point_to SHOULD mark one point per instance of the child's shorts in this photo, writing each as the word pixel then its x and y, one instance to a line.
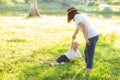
pixel 62 58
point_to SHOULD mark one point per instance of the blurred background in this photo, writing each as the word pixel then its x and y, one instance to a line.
pixel 13 7
pixel 108 10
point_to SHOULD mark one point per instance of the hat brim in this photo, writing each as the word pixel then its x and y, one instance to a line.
pixel 71 10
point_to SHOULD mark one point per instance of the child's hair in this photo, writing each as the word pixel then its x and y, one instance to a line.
pixel 75 42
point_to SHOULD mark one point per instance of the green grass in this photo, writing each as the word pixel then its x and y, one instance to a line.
pixel 25 42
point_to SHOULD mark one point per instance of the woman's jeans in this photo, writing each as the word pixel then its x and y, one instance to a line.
pixel 89 51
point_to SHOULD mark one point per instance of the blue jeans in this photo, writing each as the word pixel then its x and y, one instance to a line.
pixel 89 51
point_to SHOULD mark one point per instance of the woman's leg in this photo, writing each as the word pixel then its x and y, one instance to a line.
pixel 85 52
pixel 90 57
pixel 90 50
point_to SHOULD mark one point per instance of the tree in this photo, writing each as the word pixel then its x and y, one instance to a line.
pixel 33 9
pixel 26 1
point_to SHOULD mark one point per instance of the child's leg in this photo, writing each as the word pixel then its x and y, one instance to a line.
pixel 60 59
pixel 45 62
pixel 56 63
pixel 62 63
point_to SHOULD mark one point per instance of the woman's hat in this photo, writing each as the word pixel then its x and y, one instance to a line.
pixel 70 8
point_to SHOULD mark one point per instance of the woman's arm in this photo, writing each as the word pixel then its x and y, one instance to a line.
pixel 82 25
pixel 75 33
pixel 74 36
pixel 72 43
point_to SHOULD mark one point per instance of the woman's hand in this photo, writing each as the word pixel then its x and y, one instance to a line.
pixel 88 41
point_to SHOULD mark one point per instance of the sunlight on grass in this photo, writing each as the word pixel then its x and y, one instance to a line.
pixel 25 42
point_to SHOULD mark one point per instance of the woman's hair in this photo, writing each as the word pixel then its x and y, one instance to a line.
pixel 71 15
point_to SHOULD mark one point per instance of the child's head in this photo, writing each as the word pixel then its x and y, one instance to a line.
pixel 75 45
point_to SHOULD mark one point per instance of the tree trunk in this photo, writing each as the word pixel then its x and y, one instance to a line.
pixel 33 9
pixel 26 1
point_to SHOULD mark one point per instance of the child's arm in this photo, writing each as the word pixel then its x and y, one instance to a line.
pixel 82 59
pixel 80 56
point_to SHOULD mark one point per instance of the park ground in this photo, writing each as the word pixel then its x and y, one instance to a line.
pixel 26 42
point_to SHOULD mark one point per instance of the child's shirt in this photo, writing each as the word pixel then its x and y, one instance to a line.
pixel 71 54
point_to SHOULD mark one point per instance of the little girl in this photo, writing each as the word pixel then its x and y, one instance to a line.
pixel 69 56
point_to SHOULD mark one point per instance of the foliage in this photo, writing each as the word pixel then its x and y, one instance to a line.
pixel 6 2
pixel 94 4
pixel 113 3
pixel 100 9
pixel 11 2
pixel 56 8
pixel 19 1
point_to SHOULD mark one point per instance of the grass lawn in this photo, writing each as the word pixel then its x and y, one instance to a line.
pixel 25 42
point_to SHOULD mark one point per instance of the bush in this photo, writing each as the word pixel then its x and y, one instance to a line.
pixel 113 3
pixel 109 2
pixel 116 3
pixel 105 10
pixel 6 2
pixel 94 4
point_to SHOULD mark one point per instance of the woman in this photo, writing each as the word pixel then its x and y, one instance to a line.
pixel 90 34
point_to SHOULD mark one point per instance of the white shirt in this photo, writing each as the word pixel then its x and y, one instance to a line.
pixel 90 30
pixel 71 54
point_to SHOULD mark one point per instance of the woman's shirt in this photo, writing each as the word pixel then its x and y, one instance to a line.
pixel 89 28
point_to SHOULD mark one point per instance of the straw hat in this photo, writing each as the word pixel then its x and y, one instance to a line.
pixel 70 8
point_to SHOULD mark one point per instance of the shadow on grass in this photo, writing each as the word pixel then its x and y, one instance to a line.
pixel 17 40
